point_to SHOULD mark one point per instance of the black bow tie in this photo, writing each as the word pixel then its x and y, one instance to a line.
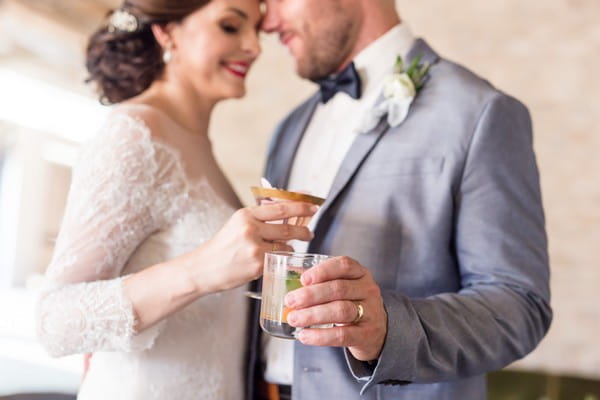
pixel 347 81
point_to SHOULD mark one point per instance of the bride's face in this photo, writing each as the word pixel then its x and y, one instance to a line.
pixel 214 47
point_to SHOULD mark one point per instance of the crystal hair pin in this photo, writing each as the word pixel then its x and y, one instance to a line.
pixel 121 20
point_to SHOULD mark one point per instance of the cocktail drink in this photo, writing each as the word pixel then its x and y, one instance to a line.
pixel 282 272
pixel 268 194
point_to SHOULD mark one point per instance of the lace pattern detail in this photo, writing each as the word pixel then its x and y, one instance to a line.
pixel 131 206
pixel 109 210
pixel 125 187
pixel 93 316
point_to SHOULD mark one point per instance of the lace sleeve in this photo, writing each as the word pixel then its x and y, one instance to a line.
pixel 109 213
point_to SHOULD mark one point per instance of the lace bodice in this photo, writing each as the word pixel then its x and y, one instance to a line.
pixel 131 206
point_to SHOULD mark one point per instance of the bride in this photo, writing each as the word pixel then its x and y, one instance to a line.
pixel 151 259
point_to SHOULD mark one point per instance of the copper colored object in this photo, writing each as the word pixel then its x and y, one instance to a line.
pixel 273 195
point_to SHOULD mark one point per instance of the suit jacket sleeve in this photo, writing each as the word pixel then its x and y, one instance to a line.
pixel 502 310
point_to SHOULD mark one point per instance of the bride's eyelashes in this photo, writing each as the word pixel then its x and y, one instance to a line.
pixel 231 26
pixel 230 29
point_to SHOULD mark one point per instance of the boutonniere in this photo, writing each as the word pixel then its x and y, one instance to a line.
pixel 399 90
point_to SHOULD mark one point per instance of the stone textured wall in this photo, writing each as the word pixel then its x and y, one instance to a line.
pixel 544 52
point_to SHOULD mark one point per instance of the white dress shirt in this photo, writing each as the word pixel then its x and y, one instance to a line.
pixel 327 139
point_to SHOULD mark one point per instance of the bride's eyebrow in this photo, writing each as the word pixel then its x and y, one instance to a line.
pixel 238 12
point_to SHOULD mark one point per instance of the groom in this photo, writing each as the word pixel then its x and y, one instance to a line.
pixel 433 198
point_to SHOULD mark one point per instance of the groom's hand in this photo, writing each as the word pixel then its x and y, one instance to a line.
pixel 332 293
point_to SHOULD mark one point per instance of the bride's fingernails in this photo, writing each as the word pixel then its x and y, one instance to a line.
pixel 314 209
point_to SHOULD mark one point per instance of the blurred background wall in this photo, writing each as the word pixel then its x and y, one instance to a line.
pixel 546 53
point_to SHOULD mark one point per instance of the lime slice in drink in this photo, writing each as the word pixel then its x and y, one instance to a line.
pixel 292 281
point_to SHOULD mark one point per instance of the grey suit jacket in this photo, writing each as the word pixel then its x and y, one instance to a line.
pixel 445 210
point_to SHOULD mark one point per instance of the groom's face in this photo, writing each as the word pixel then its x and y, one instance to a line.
pixel 320 34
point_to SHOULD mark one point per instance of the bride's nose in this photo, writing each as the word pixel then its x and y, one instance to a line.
pixel 251 45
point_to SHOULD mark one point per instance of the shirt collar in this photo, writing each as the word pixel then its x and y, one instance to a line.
pixel 379 57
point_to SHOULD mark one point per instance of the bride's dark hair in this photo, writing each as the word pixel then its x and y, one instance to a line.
pixel 124 62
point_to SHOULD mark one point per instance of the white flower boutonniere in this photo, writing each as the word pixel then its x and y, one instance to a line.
pixel 399 91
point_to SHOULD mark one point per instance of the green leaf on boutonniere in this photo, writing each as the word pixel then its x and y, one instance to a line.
pixel 416 71
pixel 420 74
pixel 399 67
pixel 412 68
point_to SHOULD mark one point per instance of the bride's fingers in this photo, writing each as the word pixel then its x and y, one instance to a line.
pixel 270 247
pixel 276 246
pixel 282 210
pixel 283 232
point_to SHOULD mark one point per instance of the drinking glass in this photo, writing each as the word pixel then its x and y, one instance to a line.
pixel 282 271
pixel 266 195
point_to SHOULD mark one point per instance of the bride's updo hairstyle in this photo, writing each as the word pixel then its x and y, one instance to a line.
pixel 123 57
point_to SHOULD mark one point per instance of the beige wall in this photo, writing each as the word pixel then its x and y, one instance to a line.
pixel 546 53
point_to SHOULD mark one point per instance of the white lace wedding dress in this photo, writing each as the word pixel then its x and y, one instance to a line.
pixel 130 206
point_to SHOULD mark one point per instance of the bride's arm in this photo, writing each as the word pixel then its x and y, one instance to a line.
pixel 109 212
pixel 86 306
pixel 234 256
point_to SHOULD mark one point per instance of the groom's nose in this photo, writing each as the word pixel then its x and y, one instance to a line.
pixel 271 20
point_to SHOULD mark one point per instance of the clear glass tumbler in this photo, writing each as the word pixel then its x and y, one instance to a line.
pixel 281 275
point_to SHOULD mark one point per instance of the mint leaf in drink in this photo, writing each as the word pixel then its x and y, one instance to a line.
pixel 292 281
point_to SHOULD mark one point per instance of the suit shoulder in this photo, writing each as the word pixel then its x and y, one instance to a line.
pixel 467 90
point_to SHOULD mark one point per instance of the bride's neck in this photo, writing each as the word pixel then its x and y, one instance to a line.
pixel 181 103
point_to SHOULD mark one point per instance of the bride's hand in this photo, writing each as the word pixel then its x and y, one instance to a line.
pixel 235 255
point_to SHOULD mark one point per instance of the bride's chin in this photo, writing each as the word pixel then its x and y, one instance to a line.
pixel 237 94
pixel 230 95
pixel 231 90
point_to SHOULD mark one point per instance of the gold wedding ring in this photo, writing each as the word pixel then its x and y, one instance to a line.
pixel 274 247
pixel 360 312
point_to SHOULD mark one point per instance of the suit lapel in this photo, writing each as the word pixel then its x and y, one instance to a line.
pixel 422 49
pixel 360 149
pixel 281 161
pixel 365 142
